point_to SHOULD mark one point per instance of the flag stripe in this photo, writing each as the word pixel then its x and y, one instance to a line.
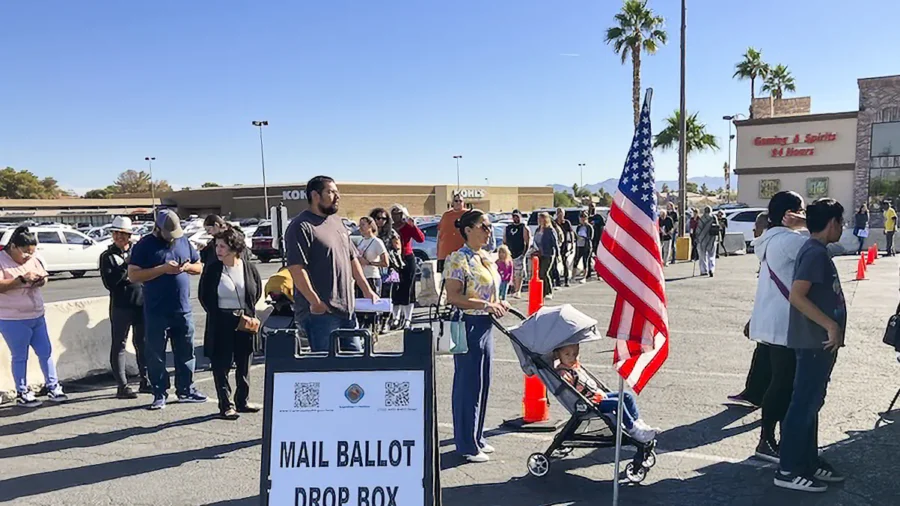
pixel 634 266
pixel 643 236
pixel 651 260
pixel 633 290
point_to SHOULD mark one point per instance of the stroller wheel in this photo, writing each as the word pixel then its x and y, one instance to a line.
pixel 635 476
pixel 538 464
pixel 650 459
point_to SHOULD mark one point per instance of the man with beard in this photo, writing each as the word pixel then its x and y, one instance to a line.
pixel 517 238
pixel 323 264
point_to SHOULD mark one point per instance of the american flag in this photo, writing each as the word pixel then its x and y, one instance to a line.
pixel 629 260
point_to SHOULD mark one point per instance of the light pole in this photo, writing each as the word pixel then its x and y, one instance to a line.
pixel 682 127
pixel 581 171
pixel 728 170
pixel 457 157
pixel 262 159
pixel 149 160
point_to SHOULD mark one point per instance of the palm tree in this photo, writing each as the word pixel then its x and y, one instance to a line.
pixel 751 67
pixel 697 139
pixel 638 30
pixel 778 81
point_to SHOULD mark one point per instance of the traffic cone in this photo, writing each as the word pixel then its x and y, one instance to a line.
pixel 870 258
pixel 861 268
pixel 535 407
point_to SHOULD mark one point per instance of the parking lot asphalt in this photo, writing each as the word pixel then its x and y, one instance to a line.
pixel 99 450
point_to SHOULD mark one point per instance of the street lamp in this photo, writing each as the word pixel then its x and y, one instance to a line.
pixel 729 119
pixel 149 160
pixel 457 157
pixel 262 158
pixel 581 170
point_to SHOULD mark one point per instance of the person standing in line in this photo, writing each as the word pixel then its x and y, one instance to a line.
pixel 404 296
pixel 599 223
pixel 672 213
pixel 861 226
pixel 213 224
pixel 816 328
pixel 517 238
pixel 777 250
pixel 692 230
pixel 666 228
pixel 472 286
pixel 505 268
pixel 163 261
pixel 723 227
pixel 126 308
pixel 322 261
pixel 564 229
pixel 448 238
pixel 707 238
pixel 890 227
pixel 229 290
pixel 547 243
pixel 390 274
pixel 22 323
pixel 373 256
pixel 584 238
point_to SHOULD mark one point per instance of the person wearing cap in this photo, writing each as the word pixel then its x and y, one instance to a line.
pixel 449 238
pixel 126 308
pixel 163 261
pixel 517 238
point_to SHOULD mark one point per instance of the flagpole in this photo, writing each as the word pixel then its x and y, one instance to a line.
pixel 615 500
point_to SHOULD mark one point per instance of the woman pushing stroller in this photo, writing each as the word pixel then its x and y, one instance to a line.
pixel 571 371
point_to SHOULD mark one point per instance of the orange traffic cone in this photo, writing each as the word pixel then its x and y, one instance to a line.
pixel 870 258
pixel 861 268
pixel 535 407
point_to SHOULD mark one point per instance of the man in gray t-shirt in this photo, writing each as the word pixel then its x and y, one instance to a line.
pixel 322 261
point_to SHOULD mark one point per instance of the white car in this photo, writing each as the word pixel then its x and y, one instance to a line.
pixel 64 249
pixel 743 220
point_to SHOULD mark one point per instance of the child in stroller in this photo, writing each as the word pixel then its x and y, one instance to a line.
pixel 572 372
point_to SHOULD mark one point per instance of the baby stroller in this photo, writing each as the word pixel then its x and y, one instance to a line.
pixel 534 341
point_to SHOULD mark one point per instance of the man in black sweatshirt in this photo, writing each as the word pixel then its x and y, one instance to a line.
pixel 126 308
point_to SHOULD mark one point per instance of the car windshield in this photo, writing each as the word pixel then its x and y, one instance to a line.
pixel 263 231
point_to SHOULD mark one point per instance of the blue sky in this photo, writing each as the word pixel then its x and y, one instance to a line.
pixel 389 91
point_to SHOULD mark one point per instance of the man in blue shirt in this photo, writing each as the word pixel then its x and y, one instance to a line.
pixel 162 261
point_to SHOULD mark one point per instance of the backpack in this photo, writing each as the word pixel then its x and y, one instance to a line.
pixel 714 228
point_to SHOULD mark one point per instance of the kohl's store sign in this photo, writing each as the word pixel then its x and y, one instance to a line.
pixel 293 195
pixel 470 193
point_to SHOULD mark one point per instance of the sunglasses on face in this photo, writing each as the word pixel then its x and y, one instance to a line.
pixel 381 218
pixel 485 226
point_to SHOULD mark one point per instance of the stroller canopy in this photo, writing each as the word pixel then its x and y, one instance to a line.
pixel 550 328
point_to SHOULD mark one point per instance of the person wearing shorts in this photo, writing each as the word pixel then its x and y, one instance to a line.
pixel 517 238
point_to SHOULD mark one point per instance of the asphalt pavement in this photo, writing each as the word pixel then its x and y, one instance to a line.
pixel 99 450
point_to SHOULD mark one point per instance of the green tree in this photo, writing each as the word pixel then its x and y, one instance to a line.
pixel 604 198
pixel 133 181
pixel 704 189
pixel 778 81
pixel 563 199
pixel 580 192
pixel 99 193
pixel 665 188
pixel 697 139
pixel 638 30
pixel 751 67
pixel 210 185
pixel 691 187
pixel 23 184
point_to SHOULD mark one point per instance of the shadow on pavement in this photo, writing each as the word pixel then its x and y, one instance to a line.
pixel 95 439
pixel 27 426
pixel 247 501
pixel 39 483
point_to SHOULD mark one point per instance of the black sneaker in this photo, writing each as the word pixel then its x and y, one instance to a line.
pixel 126 393
pixel 800 483
pixel 194 396
pixel 768 451
pixel 145 388
pixel 740 400
pixel 827 473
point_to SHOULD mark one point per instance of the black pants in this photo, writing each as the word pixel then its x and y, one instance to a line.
pixel 583 255
pixel 781 387
pixel 231 346
pixel 890 242
pixel 544 273
pixel 122 320
pixel 560 277
pixel 759 376
pixel 405 291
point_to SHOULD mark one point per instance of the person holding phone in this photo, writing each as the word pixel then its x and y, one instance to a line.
pixel 22 322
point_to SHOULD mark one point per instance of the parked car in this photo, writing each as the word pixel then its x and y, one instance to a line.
pixel 743 220
pixel 262 243
pixel 64 249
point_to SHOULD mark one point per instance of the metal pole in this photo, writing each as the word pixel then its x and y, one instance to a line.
pixel 615 500
pixel 152 191
pixel 682 127
pixel 457 173
pixel 262 158
pixel 728 174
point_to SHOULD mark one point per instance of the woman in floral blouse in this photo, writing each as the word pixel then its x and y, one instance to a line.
pixel 472 283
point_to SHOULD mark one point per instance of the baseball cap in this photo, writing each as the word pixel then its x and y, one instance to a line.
pixel 169 225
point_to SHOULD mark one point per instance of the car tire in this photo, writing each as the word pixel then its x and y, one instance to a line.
pixel 264 259
pixel 77 274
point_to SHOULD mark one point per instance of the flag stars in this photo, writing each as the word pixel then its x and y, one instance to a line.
pixel 635 177
pixel 634 188
pixel 645 175
pixel 645 197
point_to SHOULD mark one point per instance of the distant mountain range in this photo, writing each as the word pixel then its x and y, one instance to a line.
pixel 610 184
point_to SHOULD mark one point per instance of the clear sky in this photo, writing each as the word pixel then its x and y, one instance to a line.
pixel 390 90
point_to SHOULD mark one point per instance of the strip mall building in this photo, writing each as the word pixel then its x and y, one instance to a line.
pixel 851 156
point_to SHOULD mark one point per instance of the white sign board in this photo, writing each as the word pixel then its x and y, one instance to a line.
pixel 348 438
pixel 470 193
pixel 293 195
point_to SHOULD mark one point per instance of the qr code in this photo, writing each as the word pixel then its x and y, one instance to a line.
pixel 306 395
pixel 396 394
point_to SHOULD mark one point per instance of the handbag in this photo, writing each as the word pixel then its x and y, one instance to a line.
pixel 448 330
pixel 246 323
pixel 890 333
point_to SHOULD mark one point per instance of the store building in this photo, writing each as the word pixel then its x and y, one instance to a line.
pixel 74 211
pixel 357 199
pixel 852 156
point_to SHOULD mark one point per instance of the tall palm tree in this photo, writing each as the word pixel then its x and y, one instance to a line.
pixel 751 67
pixel 778 81
pixel 697 139
pixel 638 30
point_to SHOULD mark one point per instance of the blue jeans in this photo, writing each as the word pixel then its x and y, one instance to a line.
pixel 630 413
pixel 179 327
pixel 19 335
pixel 471 385
pixel 319 327
pixel 504 289
pixel 800 428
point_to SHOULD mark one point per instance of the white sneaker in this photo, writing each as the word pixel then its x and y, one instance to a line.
pixel 641 424
pixel 518 295
pixel 548 297
pixel 477 459
pixel 642 435
pixel 583 281
pixel 57 395
pixel 487 449
pixel 27 400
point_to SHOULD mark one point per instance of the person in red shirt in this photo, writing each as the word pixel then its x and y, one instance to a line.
pixel 449 239
pixel 404 296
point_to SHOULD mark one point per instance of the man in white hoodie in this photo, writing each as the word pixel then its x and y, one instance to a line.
pixel 777 250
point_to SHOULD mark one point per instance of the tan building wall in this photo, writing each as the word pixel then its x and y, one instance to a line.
pixel 771 143
pixel 768 107
pixel 839 184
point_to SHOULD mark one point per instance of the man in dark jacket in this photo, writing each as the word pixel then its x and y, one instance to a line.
pixel 126 308
pixel 598 223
